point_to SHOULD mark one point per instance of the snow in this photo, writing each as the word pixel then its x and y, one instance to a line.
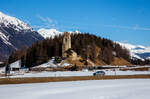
pixel 16 64
pixel 17 24
pixel 1 62
pixel 52 63
pixel 2 70
pixel 75 32
pixel 47 33
pixel 51 33
pixel 95 89
pixel 5 39
pixel 135 50
pixel 68 73
pixel 66 64
pixel 48 64
pixel 75 73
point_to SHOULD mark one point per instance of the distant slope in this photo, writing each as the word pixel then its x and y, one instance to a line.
pixel 47 33
pixel 14 34
pixel 137 51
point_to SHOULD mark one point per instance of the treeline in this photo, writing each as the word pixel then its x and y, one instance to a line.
pixel 86 45
pixel 140 62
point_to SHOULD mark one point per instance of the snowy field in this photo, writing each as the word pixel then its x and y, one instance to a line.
pixel 69 73
pixel 74 73
pixel 98 89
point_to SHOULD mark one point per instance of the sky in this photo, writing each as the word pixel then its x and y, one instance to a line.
pixel 119 20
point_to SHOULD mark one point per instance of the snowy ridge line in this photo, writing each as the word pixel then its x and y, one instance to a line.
pixel 51 33
pixel 7 21
pixel 47 33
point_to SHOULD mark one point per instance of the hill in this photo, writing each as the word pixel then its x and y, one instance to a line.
pixel 90 48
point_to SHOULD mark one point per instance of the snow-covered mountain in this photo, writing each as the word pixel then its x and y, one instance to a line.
pixel 9 21
pixel 14 34
pixel 47 33
pixel 137 51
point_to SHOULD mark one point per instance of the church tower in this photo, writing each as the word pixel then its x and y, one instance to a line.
pixel 66 44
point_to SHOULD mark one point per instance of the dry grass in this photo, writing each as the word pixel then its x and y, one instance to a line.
pixel 135 69
pixel 60 79
pixel 120 62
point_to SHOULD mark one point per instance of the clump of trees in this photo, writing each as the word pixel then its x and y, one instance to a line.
pixel 84 44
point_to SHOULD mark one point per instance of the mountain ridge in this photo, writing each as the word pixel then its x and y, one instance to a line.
pixel 47 33
pixel 6 20
pixel 14 34
pixel 137 51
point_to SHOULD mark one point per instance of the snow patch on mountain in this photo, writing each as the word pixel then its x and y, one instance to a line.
pixel 5 38
pixel 74 32
pixel 137 51
pixel 9 21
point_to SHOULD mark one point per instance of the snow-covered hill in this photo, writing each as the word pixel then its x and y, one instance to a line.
pixel 47 33
pixel 137 51
pixel 14 34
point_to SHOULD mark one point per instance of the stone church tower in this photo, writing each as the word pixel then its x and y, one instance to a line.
pixel 66 44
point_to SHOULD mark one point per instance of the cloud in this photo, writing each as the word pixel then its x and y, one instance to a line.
pixel 47 22
pixel 42 19
pixel 50 23
pixel 136 27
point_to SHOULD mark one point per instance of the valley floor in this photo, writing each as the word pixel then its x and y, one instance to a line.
pixel 96 89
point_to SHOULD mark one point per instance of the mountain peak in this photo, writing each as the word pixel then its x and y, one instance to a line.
pixel 9 21
pixel 14 34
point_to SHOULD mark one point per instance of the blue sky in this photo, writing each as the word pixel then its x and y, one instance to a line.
pixel 119 20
